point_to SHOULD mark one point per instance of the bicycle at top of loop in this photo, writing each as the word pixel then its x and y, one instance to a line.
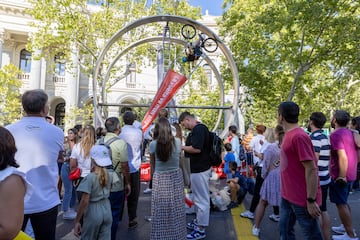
pixel 193 50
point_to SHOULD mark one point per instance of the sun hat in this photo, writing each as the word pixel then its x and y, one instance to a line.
pixel 101 155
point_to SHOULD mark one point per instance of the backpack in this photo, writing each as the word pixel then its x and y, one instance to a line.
pixel 107 145
pixel 242 153
pixel 215 149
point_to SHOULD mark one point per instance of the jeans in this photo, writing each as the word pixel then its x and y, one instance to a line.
pixel 117 200
pixel 133 198
pixel 289 213
pixel 69 198
pixel 43 223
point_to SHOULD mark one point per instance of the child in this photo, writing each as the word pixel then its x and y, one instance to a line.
pixel 237 185
pixel 228 157
pixel 95 205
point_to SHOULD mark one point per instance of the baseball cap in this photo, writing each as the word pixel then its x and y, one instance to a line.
pixel 101 156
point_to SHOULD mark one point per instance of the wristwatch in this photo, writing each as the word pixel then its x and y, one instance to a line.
pixel 311 200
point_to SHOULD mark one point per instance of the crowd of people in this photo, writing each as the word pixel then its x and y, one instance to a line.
pixel 99 171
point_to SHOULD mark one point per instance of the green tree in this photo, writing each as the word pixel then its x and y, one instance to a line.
pixel 68 25
pixel 10 104
pixel 77 115
pixel 197 92
pixel 305 51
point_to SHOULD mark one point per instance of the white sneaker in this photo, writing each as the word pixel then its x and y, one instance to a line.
pixel 339 230
pixel 274 217
pixel 255 231
pixel 247 214
pixel 344 237
pixel 148 190
pixel 69 215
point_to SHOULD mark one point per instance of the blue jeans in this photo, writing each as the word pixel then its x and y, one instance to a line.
pixel 69 198
pixel 289 213
pixel 117 200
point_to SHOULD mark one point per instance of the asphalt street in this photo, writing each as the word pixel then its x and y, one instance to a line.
pixel 223 225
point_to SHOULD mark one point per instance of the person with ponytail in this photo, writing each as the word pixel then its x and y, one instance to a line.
pixel 94 206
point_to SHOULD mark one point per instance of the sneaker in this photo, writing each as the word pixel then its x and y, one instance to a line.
pixel 148 190
pixel 339 230
pixel 247 214
pixel 148 218
pixel 192 225
pixel 274 217
pixel 255 231
pixel 232 205
pixel 344 237
pixel 133 224
pixel 69 215
pixel 196 234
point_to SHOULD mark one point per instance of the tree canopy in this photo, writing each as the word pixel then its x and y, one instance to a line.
pixel 75 25
pixel 303 51
pixel 10 103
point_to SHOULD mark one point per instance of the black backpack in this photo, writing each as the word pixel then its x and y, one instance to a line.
pixel 215 149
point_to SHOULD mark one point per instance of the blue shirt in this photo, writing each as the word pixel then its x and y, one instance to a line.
pixel 229 157
pixel 241 180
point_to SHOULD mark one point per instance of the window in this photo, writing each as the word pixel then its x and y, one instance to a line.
pixel 60 114
pixel 131 77
pixel 59 60
pixel 208 72
pixel 25 61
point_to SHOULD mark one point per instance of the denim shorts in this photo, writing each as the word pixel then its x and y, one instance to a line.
pixel 339 192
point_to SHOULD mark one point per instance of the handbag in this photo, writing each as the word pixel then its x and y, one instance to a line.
pixel 75 174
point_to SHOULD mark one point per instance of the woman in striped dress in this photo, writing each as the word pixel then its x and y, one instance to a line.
pixel 167 200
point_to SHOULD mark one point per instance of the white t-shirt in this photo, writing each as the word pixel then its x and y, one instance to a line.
pixel 13 171
pixel 256 146
pixel 38 145
pixel 133 138
pixel 84 163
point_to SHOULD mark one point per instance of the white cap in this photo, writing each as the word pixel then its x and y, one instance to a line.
pixel 101 156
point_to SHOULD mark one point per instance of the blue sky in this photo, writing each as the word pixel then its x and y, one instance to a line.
pixel 214 6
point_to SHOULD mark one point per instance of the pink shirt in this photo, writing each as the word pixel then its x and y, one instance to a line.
pixel 343 138
pixel 296 147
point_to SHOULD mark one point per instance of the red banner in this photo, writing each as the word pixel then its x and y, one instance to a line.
pixel 169 86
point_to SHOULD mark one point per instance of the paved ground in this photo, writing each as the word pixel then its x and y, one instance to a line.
pixel 223 225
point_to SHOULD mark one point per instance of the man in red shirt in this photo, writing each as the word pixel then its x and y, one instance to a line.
pixel 300 189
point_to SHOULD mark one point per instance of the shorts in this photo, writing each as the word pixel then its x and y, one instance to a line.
pixel 249 158
pixel 324 194
pixel 339 193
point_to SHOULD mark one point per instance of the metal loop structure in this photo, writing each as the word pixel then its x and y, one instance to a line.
pixel 174 19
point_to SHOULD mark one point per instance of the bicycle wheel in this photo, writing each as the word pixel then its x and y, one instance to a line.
pixel 210 45
pixel 188 31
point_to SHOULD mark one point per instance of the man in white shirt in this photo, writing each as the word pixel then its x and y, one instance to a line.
pixel 255 145
pixel 133 138
pixel 38 146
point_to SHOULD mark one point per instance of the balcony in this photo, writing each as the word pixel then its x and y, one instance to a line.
pixel 58 79
pixel 130 85
pixel 24 77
